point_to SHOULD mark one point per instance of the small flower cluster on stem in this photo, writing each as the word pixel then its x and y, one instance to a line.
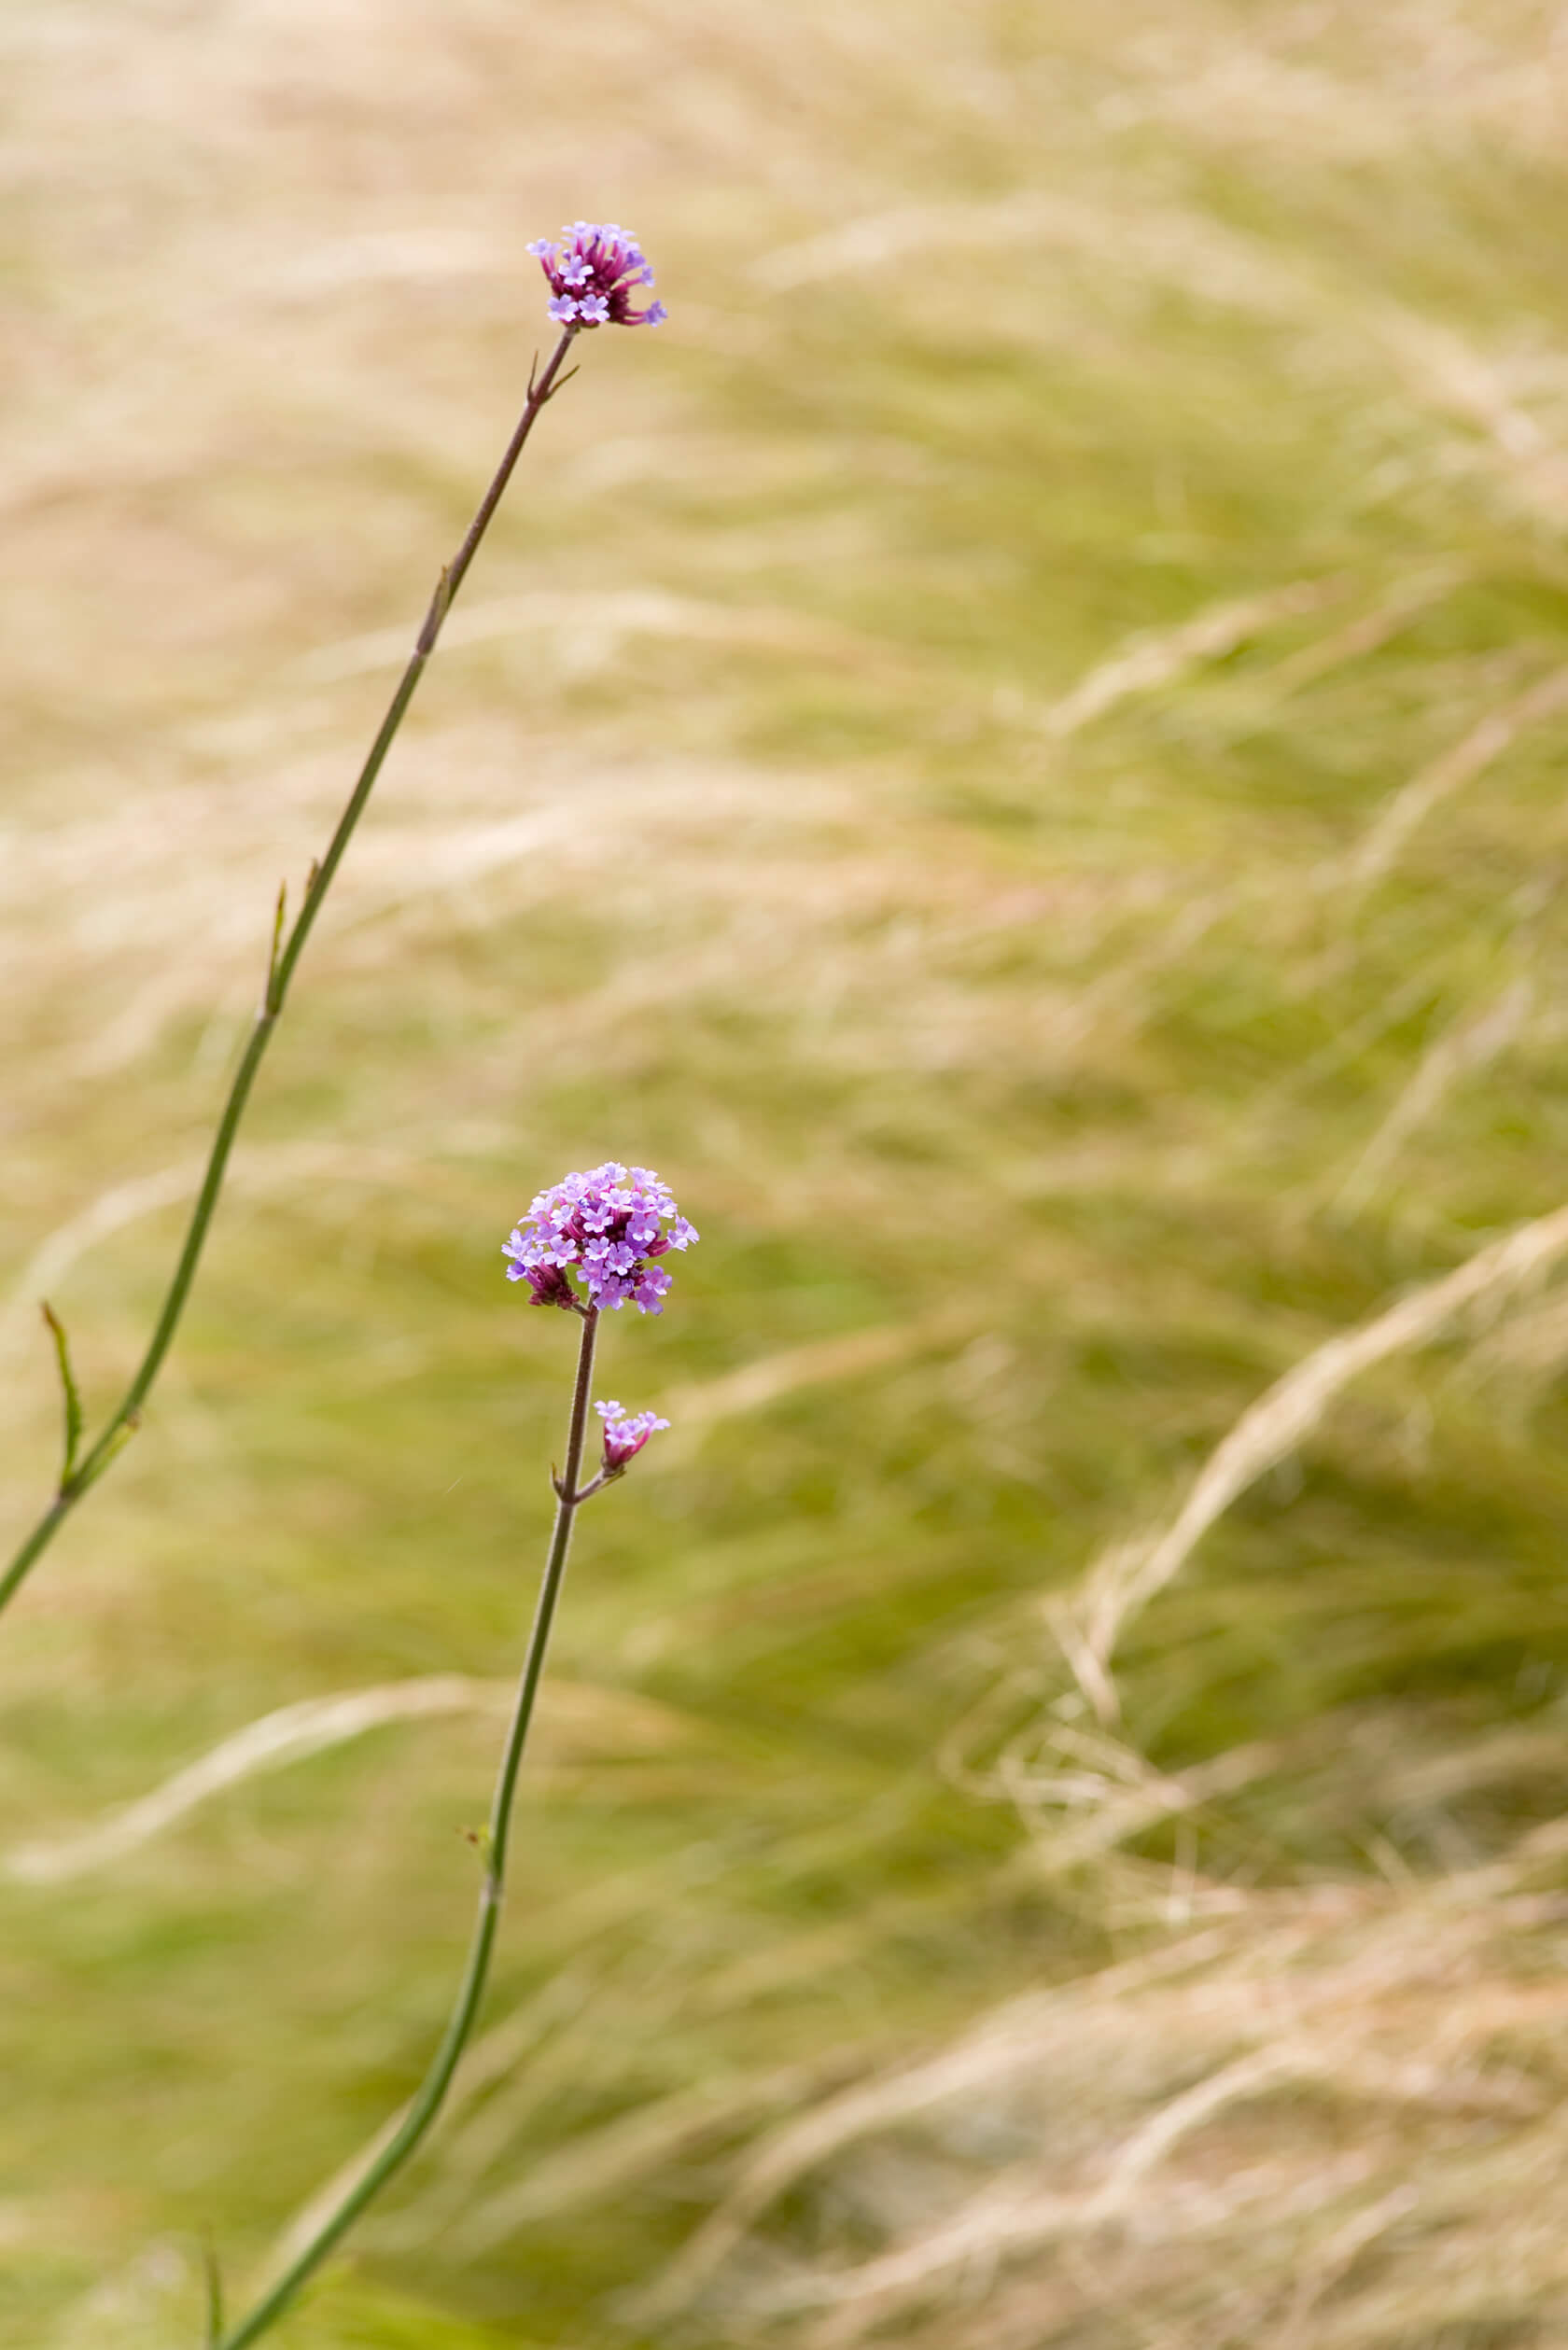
pixel 86 1463
pixel 625 1436
pixel 592 276
pixel 608 1228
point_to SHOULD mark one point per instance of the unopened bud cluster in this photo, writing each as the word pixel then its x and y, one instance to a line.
pixel 592 273
pixel 625 1432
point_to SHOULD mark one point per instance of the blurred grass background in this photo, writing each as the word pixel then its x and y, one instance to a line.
pixel 1015 751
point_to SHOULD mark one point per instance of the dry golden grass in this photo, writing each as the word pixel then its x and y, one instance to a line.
pixel 1014 752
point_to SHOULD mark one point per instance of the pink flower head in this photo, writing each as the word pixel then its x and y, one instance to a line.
pixel 606 1228
pixel 626 1434
pixel 592 274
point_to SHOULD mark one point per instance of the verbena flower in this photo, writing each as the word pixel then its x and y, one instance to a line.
pixel 606 1228
pixel 625 1432
pixel 592 276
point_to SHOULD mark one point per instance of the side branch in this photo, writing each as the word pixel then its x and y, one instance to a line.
pixel 282 957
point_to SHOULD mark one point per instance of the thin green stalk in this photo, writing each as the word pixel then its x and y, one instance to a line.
pixel 427 2099
pixel 285 954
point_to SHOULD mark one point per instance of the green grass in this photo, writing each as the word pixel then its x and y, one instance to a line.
pixel 828 800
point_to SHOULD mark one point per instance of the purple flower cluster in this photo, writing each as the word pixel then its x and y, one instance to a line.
pixel 608 1227
pixel 625 1432
pixel 592 276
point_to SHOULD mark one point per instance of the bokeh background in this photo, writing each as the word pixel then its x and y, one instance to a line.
pixel 1016 753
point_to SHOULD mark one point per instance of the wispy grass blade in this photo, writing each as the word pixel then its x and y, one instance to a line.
pixel 211 2276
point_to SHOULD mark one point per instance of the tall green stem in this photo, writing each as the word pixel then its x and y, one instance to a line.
pixel 280 970
pixel 427 2100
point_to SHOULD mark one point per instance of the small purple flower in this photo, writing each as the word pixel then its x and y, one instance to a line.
pixel 607 1227
pixel 592 276
pixel 626 1434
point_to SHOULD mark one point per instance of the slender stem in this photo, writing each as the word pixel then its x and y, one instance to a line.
pixel 280 970
pixel 427 2100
